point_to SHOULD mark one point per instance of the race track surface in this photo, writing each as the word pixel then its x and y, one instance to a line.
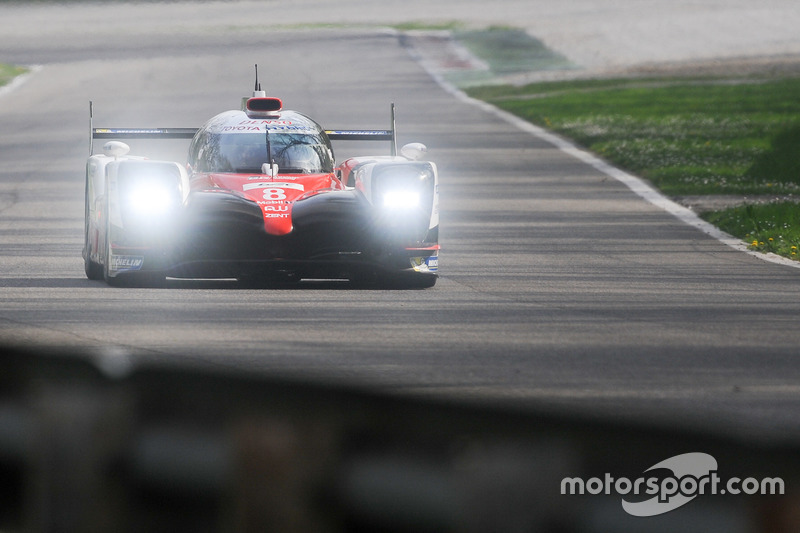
pixel 559 286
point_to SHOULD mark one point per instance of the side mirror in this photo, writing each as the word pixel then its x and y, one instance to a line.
pixel 115 149
pixel 414 151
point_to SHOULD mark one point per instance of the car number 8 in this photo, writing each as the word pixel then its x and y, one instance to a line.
pixel 274 194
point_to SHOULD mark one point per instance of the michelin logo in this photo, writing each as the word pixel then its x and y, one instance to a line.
pixel 425 264
pixel 124 263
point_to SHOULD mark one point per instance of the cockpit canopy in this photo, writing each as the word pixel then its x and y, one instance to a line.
pixel 235 143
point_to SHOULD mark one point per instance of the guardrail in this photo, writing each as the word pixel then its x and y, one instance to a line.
pixel 97 444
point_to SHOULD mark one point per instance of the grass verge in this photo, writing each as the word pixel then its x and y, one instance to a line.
pixel 688 136
pixel 9 72
pixel 509 51
pixel 767 228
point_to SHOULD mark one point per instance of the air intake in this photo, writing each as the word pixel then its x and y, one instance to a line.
pixel 263 106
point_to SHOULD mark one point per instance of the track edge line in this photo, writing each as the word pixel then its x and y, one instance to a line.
pixel 637 185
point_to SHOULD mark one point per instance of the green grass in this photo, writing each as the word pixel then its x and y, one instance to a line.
pixel 506 51
pixel 428 26
pixel 686 136
pixel 9 72
pixel 701 136
pixel 510 50
pixel 768 228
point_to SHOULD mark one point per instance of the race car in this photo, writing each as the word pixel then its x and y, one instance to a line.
pixel 261 199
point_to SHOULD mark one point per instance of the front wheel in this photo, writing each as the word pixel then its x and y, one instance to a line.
pixel 94 271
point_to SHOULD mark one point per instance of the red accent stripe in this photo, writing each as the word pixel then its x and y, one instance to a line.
pixel 429 248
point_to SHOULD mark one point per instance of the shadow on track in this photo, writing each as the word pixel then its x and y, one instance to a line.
pixel 199 284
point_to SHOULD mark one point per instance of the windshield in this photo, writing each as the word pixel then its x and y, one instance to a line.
pixel 247 152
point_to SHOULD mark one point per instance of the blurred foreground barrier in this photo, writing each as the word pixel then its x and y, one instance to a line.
pixel 94 443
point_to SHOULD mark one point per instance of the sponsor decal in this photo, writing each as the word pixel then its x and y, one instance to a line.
pixel 358 132
pixel 292 129
pixel 424 264
pixel 284 177
pixel 123 263
pixel 128 130
pixel 273 128
pixel 273 185
pixel 266 122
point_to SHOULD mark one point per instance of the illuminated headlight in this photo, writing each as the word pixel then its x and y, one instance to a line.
pixel 151 199
pixel 148 190
pixel 403 193
pixel 401 199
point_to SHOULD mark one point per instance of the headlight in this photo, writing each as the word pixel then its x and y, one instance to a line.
pixel 148 189
pixel 403 194
pixel 403 187
pixel 401 199
pixel 151 199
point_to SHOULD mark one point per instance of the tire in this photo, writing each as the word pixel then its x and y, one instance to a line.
pixel 94 271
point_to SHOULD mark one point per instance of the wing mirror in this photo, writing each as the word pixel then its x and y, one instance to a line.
pixel 115 149
pixel 414 151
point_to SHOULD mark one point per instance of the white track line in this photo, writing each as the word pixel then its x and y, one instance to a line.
pixel 635 184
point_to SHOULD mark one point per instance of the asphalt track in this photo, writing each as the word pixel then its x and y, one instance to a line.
pixel 560 287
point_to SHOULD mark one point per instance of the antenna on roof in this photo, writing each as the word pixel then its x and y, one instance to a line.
pixel 257 89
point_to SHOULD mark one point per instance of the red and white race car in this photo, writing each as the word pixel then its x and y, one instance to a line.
pixel 261 199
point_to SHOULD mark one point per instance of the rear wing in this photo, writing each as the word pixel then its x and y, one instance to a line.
pixel 139 133
pixel 369 135
pixel 188 133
